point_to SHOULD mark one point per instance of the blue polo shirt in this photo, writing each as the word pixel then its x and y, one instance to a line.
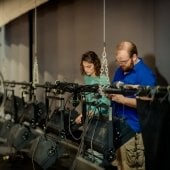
pixel 141 74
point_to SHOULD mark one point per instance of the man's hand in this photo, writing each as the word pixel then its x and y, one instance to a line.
pixel 119 98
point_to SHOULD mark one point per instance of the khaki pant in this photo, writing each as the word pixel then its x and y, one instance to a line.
pixel 130 156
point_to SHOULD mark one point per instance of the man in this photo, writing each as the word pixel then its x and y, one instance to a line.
pixel 133 71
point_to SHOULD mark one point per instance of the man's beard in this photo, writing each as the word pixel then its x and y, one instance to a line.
pixel 129 68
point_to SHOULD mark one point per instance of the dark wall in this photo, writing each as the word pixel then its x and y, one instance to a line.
pixel 66 29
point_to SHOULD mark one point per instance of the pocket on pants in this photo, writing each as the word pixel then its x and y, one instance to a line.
pixel 135 155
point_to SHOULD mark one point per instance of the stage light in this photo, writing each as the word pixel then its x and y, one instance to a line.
pixel 19 136
pixel 44 151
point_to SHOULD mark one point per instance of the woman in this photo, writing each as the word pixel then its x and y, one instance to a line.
pixel 90 69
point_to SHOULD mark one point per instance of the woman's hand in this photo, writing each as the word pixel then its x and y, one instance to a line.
pixel 78 119
pixel 90 114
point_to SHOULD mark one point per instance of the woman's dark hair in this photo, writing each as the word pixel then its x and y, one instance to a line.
pixel 91 57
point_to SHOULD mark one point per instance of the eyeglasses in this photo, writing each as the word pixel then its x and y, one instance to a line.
pixel 123 61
